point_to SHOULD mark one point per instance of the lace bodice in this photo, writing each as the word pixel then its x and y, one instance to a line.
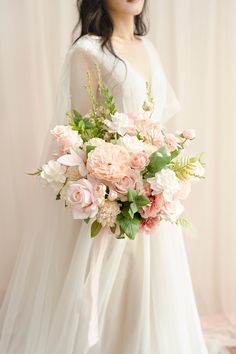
pixel 124 81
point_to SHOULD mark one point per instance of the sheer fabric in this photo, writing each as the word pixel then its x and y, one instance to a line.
pixel 71 294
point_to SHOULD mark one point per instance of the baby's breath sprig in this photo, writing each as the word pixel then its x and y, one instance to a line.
pixel 148 105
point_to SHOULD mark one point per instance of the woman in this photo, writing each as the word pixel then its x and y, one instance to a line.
pixel 73 294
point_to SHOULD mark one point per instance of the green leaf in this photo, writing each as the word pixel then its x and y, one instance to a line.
pixel 133 209
pixel 129 227
pixel 132 194
pixel 126 210
pixel 175 153
pixel 140 201
pixel 95 228
pixel 113 228
pixel 90 148
pixel 77 114
pixel 158 160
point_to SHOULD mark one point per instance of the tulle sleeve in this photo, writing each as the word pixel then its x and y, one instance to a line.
pixel 82 62
pixel 171 105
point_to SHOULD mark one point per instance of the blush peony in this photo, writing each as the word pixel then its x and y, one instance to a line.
pixel 108 162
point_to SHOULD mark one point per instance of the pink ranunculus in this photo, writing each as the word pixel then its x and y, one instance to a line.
pixel 100 192
pixel 112 195
pixel 184 190
pixel 108 162
pixel 139 160
pixel 124 183
pixel 189 134
pixel 171 142
pixel 172 210
pixel 154 208
pixel 66 138
pixel 149 223
pixel 80 197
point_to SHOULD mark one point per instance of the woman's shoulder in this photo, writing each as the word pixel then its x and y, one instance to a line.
pixel 88 43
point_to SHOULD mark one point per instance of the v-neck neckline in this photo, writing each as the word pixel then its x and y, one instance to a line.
pixel 134 69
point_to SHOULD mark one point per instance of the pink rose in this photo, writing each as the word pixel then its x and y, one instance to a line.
pixel 139 160
pixel 149 223
pixel 81 198
pixel 66 138
pixel 171 142
pixel 184 190
pixel 108 162
pixel 124 183
pixel 189 134
pixel 172 210
pixel 154 208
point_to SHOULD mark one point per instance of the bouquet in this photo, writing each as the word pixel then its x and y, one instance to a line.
pixel 121 171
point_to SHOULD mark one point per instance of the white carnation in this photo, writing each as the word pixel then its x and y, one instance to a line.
pixel 164 182
pixel 53 171
pixel 119 123
pixel 131 143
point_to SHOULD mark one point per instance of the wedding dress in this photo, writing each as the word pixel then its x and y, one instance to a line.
pixel 70 294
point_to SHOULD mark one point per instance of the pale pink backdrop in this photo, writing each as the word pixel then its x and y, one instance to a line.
pixel 196 40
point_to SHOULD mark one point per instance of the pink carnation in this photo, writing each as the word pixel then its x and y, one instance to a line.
pixel 108 162
pixel 154 208
pixel 139 160
pixel 66 138
pixel 189 134
pixel 149 223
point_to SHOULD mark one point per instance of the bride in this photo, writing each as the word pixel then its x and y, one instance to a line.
pixel 70 294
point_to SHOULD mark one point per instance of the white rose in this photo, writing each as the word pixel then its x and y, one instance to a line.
pixel 131 143
pixel 53 171
pixel 119 123
pixel 172 210
pixel 164 182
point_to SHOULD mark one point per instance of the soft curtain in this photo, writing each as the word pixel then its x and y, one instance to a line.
pixel 196 40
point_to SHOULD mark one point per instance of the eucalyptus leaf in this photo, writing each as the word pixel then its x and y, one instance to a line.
pixel 95 228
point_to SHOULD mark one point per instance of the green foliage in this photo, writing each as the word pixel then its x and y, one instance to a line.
pixel 129 227
pixel 183 222
pixel 36 173
pixel 158 160
pixel 148 106
pixel 95 228
pixel 184 167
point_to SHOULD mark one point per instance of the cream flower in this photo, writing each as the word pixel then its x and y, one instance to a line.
pixel 164 182
pixel 107 213
pixel 75 159
pixel 119 123
pixel 53 171
pixel 131 143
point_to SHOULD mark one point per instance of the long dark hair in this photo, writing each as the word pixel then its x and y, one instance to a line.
pixel 95 19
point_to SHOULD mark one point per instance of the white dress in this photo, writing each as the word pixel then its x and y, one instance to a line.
pixel 70 294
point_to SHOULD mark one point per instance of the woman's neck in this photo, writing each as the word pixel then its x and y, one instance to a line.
pixel 123 27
